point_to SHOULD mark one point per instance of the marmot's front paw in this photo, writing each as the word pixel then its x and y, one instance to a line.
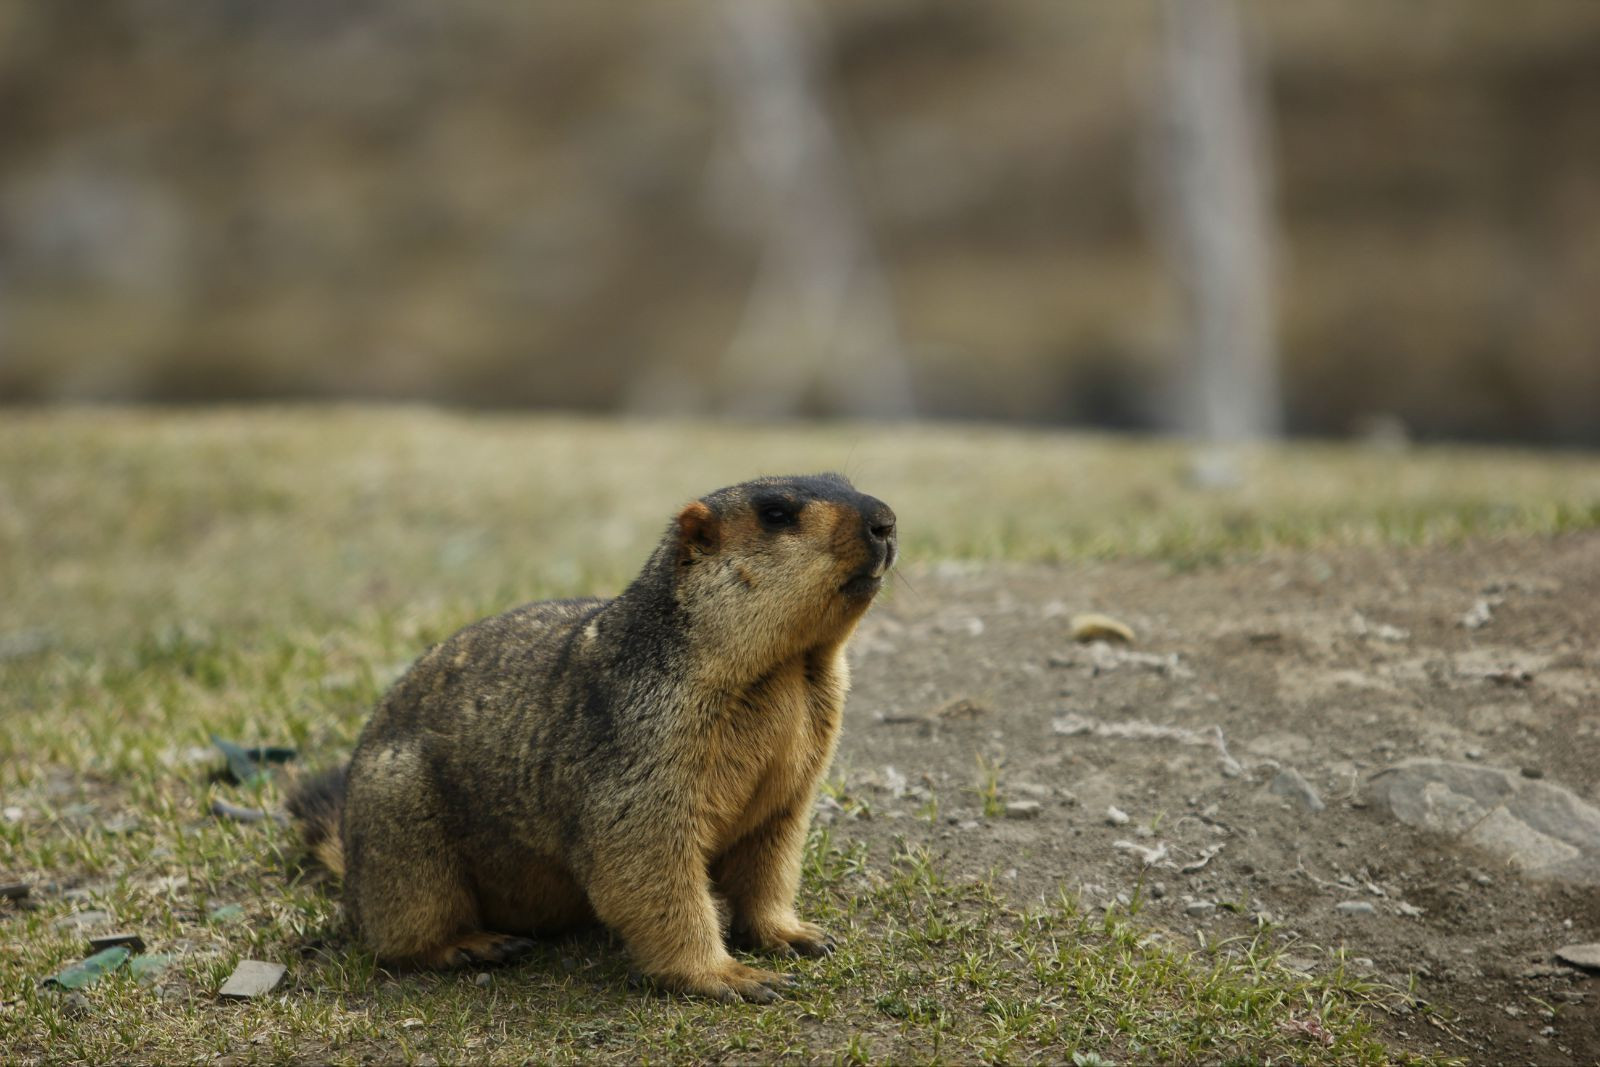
pixel 731 983
pixel 791 939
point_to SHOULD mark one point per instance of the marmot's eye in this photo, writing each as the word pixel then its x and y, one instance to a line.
pixel 775 515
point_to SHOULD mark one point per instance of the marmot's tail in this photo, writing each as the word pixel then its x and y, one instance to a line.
pixel 317 803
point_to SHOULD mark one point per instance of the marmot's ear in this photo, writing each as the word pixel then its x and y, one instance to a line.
pixel 699 532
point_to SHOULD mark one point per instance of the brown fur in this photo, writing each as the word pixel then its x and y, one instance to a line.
pixel 649 761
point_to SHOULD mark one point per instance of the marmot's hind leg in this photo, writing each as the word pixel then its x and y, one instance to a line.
pixel 405 881
pixel 479 947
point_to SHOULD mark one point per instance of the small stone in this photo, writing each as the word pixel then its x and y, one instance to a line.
pixel 1478 616
pixel 1586 956
pixel 13 814
pixel 1355 907
pixel 83 920
pixel 1157 890
pixel 14 890
pixel 1290 784
pixel 963 710
pixel 1532 772
pixel 132 941
pixel 1474 753
pixel 482 980
pixel 251 978
pixel 1116 816
pixel 1023 809
pixel 1092 626
pixel 1199 908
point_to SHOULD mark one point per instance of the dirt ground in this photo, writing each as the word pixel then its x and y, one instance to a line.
pixel 1333 664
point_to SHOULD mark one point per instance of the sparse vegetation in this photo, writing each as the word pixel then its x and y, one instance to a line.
pixel 262 575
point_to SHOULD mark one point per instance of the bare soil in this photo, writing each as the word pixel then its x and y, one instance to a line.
pixel 1336 664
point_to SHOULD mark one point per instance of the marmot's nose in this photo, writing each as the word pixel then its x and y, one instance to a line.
pixel 879 519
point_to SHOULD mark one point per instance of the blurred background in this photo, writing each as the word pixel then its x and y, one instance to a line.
pixel 1327 217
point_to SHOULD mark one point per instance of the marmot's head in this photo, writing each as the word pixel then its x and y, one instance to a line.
pixel 780 565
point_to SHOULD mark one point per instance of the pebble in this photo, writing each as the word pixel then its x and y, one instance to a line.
pixel 82 920
pixel 1355 907
pixel 1023 809
pixel 1116 816
pixel 134 942
pixel 1199 908
pixel 251 978
pixel 483 980
pixel 1291 784
pixel 1158 890
pixel 1586 956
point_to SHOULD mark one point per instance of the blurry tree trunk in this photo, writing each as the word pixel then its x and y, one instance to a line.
pixel 1217 194
pixel 818 330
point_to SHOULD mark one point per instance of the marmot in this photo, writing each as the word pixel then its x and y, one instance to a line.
pixel 648 761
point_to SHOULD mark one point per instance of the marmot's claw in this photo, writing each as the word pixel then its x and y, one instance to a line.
pixel 814 949
pixel 761 994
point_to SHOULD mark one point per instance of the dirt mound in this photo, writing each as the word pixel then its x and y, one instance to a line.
pixel 1228 769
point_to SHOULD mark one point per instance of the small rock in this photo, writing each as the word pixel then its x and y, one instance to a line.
pixel 132 941
pixel 1289 783
pixel 251 978
pixel 1474 753
pixel 83 920
pixel 483 980
pixel 1157 890
pixel 1532 772
pixel 1586 956
pixel 1199 908
pixel 14 890
pixel 963 710
pixel 1355 907
pixel 1023 809
pixel 1095 627
pixel 13 814
pixel 1478 616
pixel 1116 816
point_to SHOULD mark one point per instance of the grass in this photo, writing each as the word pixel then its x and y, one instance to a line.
pixel 261 575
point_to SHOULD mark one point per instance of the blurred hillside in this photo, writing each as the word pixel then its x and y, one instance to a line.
pixel 520 204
